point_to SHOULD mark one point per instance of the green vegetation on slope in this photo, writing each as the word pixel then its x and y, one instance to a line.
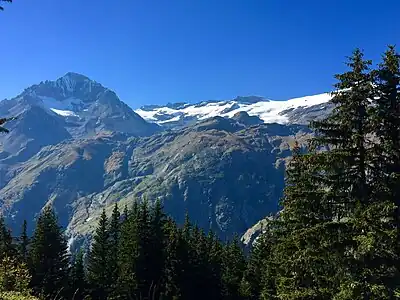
pixel 337 236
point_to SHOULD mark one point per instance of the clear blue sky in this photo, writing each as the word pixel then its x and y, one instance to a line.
pixel 158 51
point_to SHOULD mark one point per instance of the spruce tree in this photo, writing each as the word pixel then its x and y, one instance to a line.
pixel 259 275
pixel 157 244
pixel 305 232
pixel 48 257
pixel 6 244
pixel 215 265
pixel 346 173
pixel 98 260
pixel 114 233
pixel 233 266
pixel 173 267
pixel 127 255
pixel 24 242
pixel 78 283
pixel 386 172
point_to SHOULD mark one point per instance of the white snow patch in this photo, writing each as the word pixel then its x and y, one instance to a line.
pixel 64 107
pixel 64 113
pixel 269 111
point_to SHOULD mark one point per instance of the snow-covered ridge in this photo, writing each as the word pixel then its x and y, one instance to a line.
pixel 269 111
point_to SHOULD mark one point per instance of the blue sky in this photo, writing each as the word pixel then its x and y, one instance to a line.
pixel 159 51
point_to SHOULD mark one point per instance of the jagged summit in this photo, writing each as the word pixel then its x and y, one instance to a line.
pixel 83 106
pixel 72 80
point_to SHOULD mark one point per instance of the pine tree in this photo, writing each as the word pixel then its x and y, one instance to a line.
pixel 114 233
pixel 346 176
pixel 77 277
pixel 147 283
pixel 233 266
pixel 215 265
pixel 386 172
pixel 98 260
pixel 127 255
pixel 259 275
pixel 24 242
pixel 305 231
pixel 48 256
pixel 6 245
pixel 173 267
pixel 157 244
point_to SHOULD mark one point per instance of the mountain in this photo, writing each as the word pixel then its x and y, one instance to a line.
pixel 78 147
pixel 294 111
pixel 226 179
pixel 72 106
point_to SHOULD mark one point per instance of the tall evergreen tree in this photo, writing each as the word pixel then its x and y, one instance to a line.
pixel 98 260
pixel 6 245
pixel 345 175
pixel 114 233
pixel 78 283
pixel 49 257
pixel 173 267
pixel 233 266
pixel 127 254
pixel 260 274
pixel 306 269
pixel 386 173
pixel 24 242
pixel 157 244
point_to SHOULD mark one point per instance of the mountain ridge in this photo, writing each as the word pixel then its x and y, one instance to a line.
pixel 78 147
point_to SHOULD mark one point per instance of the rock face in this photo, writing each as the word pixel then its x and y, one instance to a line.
pixel 80 148
pixel 226 179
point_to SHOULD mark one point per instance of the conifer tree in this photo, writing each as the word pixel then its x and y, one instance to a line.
pixel 77 277
pixel 233 268
pixel 346 177
pixel 48 257
pixel 6 245
pixel 173 267
pixel 114 233
pixel 215 265
pixel 306 269
pixel 98 260
pixel 24 242
pixel 127 254
pixel 157 244
pixel 386 170
pixel 259 274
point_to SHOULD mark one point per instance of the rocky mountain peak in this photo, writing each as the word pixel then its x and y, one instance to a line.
pixel 71 85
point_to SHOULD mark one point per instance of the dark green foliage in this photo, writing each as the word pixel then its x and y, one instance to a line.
pixel 233 267
pixel 386 121
pixel 337 236
pixel 48 257
pixel 259 277
pixel 24 242
pixel 98 260
pixel 6 245
pixel 114 233
pixel 78 282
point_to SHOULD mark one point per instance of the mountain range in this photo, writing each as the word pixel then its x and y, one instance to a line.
pixel 78 147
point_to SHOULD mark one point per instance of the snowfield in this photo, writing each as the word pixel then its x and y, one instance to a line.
pixel 269 111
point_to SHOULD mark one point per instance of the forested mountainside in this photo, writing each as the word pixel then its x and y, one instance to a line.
pixel 77 146
pixel 336 236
